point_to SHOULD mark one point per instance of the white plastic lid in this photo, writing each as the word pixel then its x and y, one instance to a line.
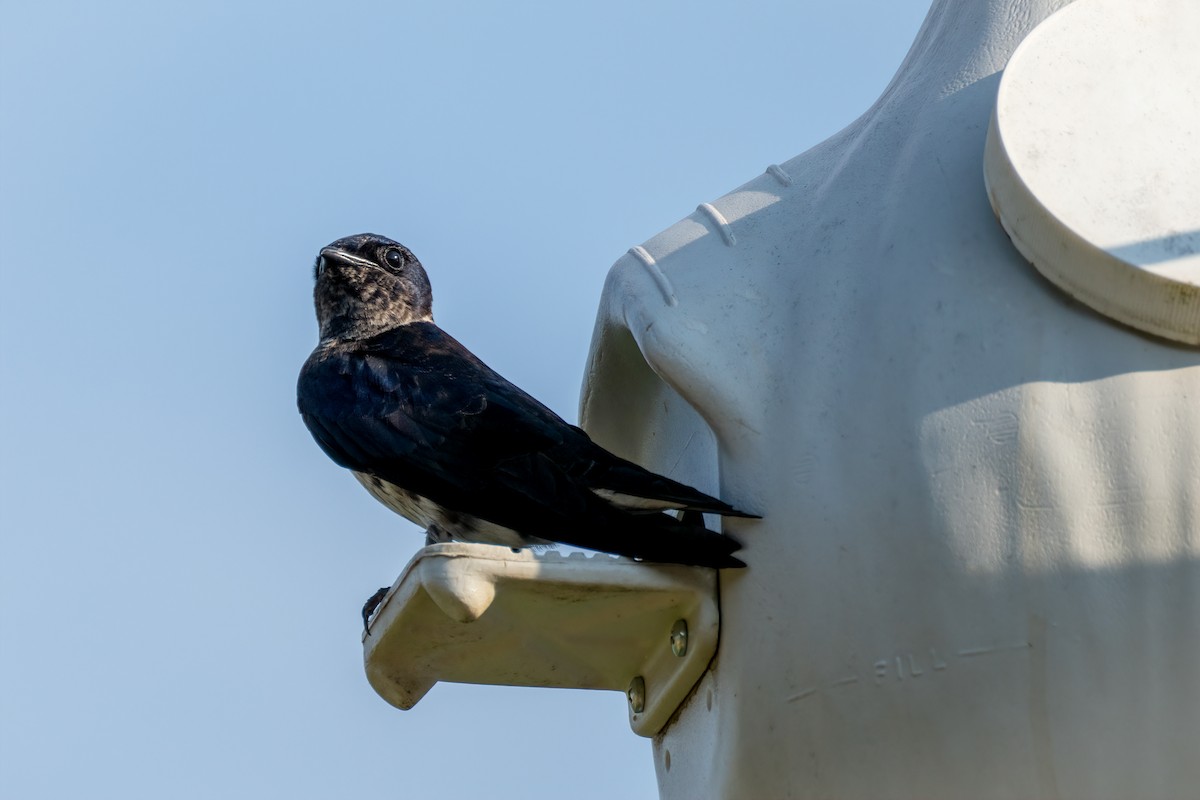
pixel 1093 159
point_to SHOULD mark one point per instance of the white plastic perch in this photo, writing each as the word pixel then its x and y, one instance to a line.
pixel 475 613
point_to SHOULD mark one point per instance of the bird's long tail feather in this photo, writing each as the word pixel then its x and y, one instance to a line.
pixel 659 538
pixel 637 490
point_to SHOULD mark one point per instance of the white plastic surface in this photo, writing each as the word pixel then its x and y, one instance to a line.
pixel 978 574
pixel 1093 159
pixel 476 613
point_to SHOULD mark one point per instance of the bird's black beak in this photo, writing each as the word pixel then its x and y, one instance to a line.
pixel 332 255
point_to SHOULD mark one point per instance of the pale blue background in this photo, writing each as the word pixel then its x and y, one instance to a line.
pixel 182 569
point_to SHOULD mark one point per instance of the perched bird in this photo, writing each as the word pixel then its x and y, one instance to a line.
pixel 440 438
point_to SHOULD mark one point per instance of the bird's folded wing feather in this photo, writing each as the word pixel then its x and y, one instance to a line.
pixel 415 407
pixel 420 411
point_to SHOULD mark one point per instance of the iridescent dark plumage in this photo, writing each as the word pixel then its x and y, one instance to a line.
pixel 439 437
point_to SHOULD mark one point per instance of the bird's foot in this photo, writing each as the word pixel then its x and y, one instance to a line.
pixel 369 607
pixel 435 535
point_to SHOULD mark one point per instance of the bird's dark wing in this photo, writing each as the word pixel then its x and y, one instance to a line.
pixel 414 407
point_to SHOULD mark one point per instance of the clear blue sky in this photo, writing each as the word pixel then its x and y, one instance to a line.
pixel 181 569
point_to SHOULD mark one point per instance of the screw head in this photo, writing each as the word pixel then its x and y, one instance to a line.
pixel 679 635
pixel 637 694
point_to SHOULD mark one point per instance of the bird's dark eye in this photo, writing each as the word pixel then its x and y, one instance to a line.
pixel 394 257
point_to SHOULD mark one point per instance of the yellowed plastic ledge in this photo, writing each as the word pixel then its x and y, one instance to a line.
pixel 474 613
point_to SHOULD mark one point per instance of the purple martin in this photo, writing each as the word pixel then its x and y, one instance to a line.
pixel 437 436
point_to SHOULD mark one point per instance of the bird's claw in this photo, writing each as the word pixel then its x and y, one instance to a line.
pixel 369 607
pixel 435 535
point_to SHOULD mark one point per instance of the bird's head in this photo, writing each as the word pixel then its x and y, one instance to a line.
pixel 368 284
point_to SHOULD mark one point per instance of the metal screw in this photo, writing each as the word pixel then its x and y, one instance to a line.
pixel 679 638
pixel 637 694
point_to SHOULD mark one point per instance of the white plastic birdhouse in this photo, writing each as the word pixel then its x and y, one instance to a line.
pixel 978 572
pixel 975 444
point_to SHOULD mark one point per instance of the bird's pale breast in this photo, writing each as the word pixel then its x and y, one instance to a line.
pixel 430 515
